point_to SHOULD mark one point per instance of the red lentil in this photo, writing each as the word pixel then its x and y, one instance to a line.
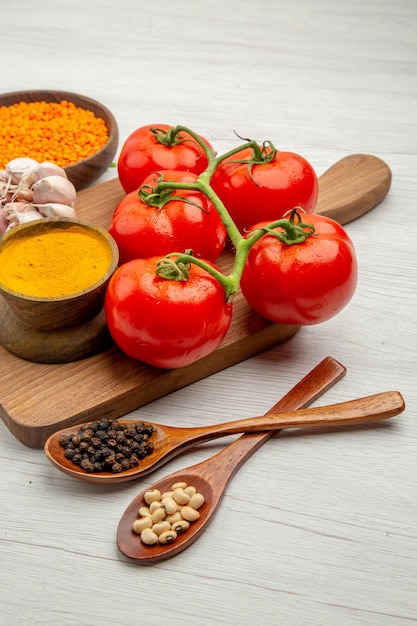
pixel 59 132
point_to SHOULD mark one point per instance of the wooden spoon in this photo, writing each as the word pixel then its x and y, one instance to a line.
pixel 212 476
pixel 352 187
pixel 169 441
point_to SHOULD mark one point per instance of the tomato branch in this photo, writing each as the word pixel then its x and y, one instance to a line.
pixel 290 230
pixel 176 264
pixel 162 193
pixel 175 137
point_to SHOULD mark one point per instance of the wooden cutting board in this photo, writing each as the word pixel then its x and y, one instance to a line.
pixel 37 399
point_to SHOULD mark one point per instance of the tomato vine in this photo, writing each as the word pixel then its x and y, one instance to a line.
pixel 292 230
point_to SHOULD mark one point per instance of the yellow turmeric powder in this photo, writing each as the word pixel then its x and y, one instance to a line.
pixel 59 132
pixel 55 263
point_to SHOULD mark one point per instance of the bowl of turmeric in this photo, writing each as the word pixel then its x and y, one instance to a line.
pixel 68 129
pixel 53 276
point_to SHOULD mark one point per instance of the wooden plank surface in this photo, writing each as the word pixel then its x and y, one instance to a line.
pixel 38 399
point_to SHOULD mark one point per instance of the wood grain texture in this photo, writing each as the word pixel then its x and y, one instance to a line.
pixel 169 442
pixel 113 384
pixel 315 529
pixel 350 201
pixel 122 384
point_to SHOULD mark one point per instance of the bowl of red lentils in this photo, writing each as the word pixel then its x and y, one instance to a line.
pixel 74 131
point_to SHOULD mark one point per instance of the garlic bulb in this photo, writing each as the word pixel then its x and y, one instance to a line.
pixel 54 189
pixel 31 191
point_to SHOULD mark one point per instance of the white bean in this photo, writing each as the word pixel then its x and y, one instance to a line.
pixel 196 500
pixel 158 515
pixel 178 486
pixel 161 527
pixel 181 526
pixel 149 537
pixel 180 496
pixel 167 537
pixel 152 495
pixel 144 511
pixel 169 505
pixel 189 514
pixel 154 505
pixel 141 524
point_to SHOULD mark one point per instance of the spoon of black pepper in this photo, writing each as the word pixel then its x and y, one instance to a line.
pixel 212 476
pixel 168 441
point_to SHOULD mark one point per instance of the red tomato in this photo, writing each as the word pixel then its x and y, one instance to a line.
pixel 305 283
pixel 144 151
pixel 265 191
pixel 165 323
pixel 142 231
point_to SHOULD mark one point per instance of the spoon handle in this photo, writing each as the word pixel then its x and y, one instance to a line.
pixel 353 186
pixel 363 410
pixel 221 467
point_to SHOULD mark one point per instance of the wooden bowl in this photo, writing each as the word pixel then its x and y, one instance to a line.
pixel 56 329
pixel 84 172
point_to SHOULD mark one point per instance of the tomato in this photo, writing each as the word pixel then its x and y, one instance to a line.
pixel 266 190
pixel 189 221
pixel 303 283
pixel 165 323
pixel 147 149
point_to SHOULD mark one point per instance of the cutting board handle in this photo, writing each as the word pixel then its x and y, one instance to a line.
pixel 352 187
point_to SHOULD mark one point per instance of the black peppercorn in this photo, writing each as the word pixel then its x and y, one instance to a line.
pixel 65 440
pixel 87 465
pixel 108 445
pixel 87 434
pixel 125 464
pixel 76 440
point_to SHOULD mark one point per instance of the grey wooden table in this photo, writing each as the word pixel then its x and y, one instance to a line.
pixel 315 530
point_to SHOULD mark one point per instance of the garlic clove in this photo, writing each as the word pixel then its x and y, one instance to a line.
pixel 18 207
pixel 21 169
pixel 20 213
pixel 23 194
pixel 54 209
pixel 46 168
pixel 54 189
pixel 4 223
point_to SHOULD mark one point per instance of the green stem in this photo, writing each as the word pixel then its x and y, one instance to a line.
pixel 227 281
pixel 201 185
pixel 291 231
pixel 215 162
pixel 210 154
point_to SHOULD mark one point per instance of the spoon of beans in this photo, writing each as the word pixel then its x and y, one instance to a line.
pixel 159 443
pixel 210 478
